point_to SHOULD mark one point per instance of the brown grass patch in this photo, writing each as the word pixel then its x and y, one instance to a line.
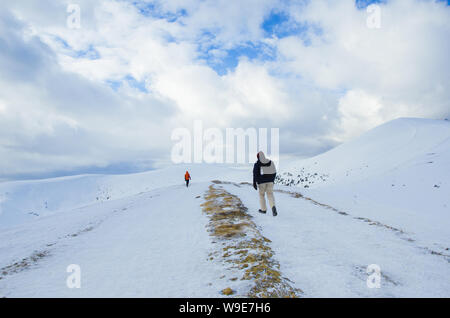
pixel 24 264
pixel 245 249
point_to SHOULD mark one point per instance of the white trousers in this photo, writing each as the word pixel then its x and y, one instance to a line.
pixel 263 189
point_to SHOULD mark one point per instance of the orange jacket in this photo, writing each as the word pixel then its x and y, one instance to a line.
pixel 187 176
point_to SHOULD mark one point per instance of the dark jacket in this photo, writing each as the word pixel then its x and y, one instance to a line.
pixel 259 178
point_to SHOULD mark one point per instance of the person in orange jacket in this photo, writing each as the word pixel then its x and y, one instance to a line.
pixel 187 177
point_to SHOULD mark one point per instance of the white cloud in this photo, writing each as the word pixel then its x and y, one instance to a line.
pixel 2 107
pixel 322 86
pixel 359 111
pixel 401 64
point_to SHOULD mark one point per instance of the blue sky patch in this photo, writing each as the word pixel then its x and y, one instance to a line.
pixel 280 25
pixel 90 53
pixel 150 9
pixel 230 59
pixel 130 80
pixel 362 4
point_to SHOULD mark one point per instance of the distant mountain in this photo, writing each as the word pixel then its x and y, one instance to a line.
pixel 403 150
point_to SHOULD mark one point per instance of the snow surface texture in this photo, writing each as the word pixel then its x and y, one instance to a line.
pixel 380 199
pixel 397 174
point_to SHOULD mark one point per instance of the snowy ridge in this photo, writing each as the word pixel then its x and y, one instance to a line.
pixel 383 200
pixel 22 201
pixel 394 147
pixel 397 174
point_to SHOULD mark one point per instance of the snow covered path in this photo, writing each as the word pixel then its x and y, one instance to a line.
pixel 156 244
pixel 326 254
pixel 149 245
pixel 146 235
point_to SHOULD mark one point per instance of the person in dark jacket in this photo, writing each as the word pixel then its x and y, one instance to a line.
pixel 264 173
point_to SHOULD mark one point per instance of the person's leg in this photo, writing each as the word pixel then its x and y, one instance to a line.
pixel 270 197
pixel 262 199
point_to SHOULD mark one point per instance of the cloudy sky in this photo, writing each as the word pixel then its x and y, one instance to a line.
pixel 105 97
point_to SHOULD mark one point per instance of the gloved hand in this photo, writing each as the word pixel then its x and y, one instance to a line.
pixel 254 186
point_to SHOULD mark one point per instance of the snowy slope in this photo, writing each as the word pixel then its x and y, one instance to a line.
pixel 152 244
pixel 145 235
pixel 327 253
pixel 397 173
pixel 22 201
pixel 392 151
pixel 156 244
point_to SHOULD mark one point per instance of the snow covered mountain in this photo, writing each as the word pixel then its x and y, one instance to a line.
pixel 398 172
pixel 406 150
pixel 380 199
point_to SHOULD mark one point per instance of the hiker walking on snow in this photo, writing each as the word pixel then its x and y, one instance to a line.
pixel 187 177
pixel 264 181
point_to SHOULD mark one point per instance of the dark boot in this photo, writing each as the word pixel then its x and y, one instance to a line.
pixel 261 211
pixel 274 211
